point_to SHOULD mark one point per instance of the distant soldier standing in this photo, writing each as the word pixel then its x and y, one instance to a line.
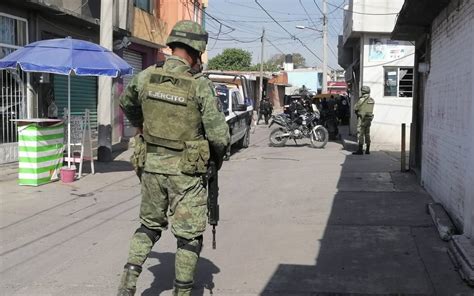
pixel 266 110
pixel 364 109
pixel 176 109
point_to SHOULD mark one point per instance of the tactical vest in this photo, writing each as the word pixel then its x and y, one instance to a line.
pixel 366 107
pixel 171 114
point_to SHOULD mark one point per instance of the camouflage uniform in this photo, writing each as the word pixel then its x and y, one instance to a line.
pixel 364 109
pixel 182 125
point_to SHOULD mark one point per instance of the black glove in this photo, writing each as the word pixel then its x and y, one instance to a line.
pixel 217 155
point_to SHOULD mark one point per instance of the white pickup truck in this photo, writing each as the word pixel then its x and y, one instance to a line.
pixel 238 114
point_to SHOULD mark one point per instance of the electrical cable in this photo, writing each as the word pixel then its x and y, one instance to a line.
pixel 338 7
pixel 309 17
pixel 218 34
pixel 319 8
pixel 363 13
pixel 292 35
pixel 277 12
pixel 274 46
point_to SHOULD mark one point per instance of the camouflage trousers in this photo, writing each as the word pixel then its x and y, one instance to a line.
pixel 177 200
pixel 363 130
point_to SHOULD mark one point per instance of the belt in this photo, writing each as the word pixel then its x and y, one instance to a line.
pixel 150 148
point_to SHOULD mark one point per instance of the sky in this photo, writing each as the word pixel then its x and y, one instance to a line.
pixel 239 23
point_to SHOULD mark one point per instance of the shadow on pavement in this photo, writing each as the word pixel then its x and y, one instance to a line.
pixel 164 275
pixel 378 240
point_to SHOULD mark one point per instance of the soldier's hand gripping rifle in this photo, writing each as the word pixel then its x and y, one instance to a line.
pixel 212 196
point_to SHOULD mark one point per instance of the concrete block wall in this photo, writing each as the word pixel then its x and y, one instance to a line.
pixel 447 155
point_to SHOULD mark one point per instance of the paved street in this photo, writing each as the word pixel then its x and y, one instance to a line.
pixel 294 221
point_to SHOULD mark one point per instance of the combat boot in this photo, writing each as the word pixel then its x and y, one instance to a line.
pixel 367 149
pixel 359 151
pixel 128 283
pixel 182 291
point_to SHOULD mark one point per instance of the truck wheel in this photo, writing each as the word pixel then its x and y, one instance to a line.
pixel 245 141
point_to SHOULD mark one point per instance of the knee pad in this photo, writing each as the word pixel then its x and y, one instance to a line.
pixel 193 245
pixel 153 235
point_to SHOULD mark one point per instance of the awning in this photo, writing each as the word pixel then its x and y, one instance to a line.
pixel 415 18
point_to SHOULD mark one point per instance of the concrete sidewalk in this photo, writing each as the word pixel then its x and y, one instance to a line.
pixel 294 221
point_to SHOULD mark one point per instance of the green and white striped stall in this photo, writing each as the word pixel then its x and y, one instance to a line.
pixel 40 153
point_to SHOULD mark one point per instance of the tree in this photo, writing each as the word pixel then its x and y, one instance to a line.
pixel 231 59
pixel 298 60
pixel 267 67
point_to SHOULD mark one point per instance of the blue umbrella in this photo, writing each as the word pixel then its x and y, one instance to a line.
pixel 67 56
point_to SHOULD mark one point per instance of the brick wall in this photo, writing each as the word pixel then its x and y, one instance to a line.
pixel 447 171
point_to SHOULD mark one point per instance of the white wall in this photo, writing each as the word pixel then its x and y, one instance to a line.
pixel 389 112
pixel 383 23
pixel 364 22
pixel 448 131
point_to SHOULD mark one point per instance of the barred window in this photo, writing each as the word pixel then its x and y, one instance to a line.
pixel 398 82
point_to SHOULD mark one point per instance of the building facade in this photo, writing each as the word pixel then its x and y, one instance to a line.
pixel 26 21
pixel 139 36
pixel 370 57
pixel 151 24
pixel 443 138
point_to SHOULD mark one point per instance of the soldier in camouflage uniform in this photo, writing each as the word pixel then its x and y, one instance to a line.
pixel 364 109
pixel 176 109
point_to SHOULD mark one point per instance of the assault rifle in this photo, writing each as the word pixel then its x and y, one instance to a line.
pixel 212 202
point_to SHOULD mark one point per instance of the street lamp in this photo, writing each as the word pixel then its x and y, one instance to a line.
pixel 325 46
pixel 309 28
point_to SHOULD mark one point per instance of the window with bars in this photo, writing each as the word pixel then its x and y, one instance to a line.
pixel 196 11
pixel 398 82
pixel 13 35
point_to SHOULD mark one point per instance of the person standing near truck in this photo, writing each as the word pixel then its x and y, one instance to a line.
pixel 265 109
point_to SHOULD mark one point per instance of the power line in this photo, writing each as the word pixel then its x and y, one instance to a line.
pixel 364 13
pixel 218 34
pixel 203 11
pixel 274 46
pixel 319 8
pixel 309 17
pixel 284 29
pixel 337 8
pixel 251 7
pixel 234 39
pixel 252 21
pixel 332 50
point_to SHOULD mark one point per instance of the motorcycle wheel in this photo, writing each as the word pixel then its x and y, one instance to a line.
pixel 319 137
pixel 276 138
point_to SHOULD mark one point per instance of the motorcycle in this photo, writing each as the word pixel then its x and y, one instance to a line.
pixel 305 126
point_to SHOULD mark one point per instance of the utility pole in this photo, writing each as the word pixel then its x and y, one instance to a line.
pixel 260 93
pixel 325 48
pixel 104 112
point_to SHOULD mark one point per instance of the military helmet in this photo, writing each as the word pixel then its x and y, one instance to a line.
pixel 365 89
pixel 190 33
